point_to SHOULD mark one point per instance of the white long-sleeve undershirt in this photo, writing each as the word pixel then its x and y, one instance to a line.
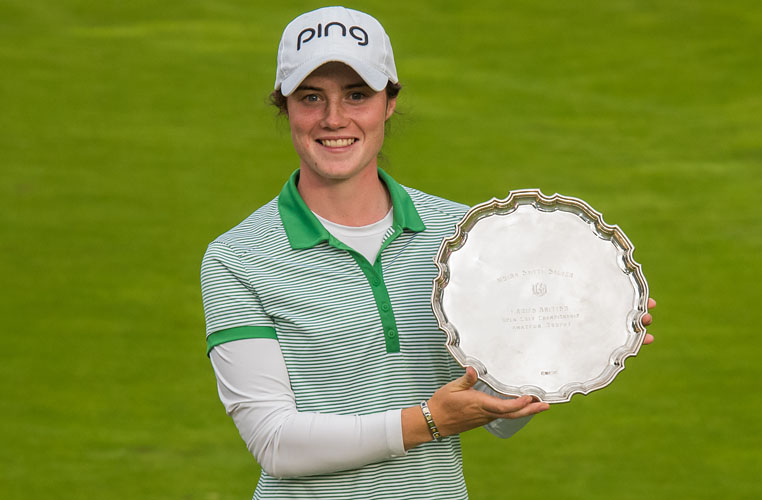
pixel 254 387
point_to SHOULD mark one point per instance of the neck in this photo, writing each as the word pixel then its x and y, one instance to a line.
pixel 358 201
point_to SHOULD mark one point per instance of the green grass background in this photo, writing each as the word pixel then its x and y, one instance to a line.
pixel 132 133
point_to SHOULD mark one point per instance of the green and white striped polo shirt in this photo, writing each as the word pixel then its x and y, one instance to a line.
pixel 357 337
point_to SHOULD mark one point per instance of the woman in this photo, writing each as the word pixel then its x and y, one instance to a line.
pixel 319 325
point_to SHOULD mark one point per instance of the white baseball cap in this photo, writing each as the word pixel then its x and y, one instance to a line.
pixel 334 34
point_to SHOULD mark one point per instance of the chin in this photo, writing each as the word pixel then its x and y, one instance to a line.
pixel 337 172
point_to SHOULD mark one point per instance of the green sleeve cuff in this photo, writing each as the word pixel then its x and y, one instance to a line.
pixel 239 333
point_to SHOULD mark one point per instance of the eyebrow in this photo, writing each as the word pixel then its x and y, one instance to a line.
pixel 357 85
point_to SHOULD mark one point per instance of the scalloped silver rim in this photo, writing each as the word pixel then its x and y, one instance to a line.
pixel 552 203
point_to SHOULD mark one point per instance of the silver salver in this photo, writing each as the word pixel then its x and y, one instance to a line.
pixel 540 296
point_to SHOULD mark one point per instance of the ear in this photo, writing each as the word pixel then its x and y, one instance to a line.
pixel 391 104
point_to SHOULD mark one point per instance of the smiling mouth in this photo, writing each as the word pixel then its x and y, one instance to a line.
pixel 337 143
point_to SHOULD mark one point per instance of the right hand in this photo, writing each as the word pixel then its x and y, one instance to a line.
pixel 457 407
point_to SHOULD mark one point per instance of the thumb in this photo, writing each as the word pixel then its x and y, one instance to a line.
pixel 466 381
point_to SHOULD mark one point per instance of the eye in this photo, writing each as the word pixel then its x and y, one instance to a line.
pixel 311 98
pixel 357 96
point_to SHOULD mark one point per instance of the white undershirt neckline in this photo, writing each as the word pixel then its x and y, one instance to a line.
pixel 366 240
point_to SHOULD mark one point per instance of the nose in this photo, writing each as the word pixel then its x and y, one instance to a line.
pixel 335 116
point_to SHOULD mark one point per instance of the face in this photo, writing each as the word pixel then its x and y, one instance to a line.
pixel 337 123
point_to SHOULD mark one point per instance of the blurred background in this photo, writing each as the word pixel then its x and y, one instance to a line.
pixel 133 133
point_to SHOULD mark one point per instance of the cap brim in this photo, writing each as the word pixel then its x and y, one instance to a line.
pixel 374 78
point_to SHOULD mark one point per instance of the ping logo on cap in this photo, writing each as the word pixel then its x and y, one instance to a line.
pixel 308 34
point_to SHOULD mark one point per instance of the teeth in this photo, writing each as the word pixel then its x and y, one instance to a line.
pixel 337 143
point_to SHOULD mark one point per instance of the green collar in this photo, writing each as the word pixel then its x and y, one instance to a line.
pixel 305 231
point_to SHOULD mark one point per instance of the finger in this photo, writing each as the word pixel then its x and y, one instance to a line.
pixel 647 319
pixel 530 409
pixel 499 407
pixel 466 381
pixel 648 339
pixel 651 303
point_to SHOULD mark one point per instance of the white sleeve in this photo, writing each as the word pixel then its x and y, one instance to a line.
pixel 502 427
pixel 254 387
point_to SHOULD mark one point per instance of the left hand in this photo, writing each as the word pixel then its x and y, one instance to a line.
pixel 647 320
